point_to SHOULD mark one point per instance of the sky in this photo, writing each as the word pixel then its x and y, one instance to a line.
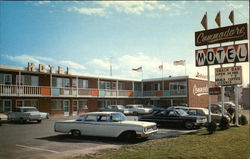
pixel 88 37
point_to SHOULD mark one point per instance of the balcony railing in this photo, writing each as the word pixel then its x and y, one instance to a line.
pixel 14 90
pixel 24 90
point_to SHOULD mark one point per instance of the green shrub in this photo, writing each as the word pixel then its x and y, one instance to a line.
pixel 211 127
pixel 243 120
pixel 224 123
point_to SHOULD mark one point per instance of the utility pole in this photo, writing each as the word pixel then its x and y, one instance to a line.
pixel 110 60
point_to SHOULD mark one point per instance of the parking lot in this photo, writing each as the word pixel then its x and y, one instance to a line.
pixel 32 140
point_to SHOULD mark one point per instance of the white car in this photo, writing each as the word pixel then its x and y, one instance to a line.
pixel 106 124
pixel 137 109
pixel 44 115
pixel 24 114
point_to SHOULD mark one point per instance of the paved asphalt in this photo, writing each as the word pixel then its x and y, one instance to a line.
pixel 32 140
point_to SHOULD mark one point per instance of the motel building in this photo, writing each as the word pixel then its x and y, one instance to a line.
pixel 60 93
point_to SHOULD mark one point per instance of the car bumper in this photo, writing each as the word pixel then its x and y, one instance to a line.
pixel 146 134
pixel 199 124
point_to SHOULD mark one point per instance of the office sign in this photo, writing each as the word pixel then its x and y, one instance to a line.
pixel 227 76
pixel 214 91
pixel 220 35
pixel 222 55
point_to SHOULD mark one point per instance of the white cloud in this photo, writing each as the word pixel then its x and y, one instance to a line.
pixel 89 11
pixel 133 7
pixel 72 65
pixel 235 6
pixel 100 63
pixel 148 8
pixel 24 59
pixel 43 2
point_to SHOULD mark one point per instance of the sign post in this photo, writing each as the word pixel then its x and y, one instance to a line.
pixel 224 76
pixel 215 91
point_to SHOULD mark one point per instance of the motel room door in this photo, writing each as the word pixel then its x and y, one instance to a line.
pixel 75 108
pixel 66 107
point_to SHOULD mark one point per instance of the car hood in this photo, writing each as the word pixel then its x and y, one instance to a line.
pixel 138 123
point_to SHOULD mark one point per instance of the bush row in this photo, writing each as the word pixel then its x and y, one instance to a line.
pixel 224 123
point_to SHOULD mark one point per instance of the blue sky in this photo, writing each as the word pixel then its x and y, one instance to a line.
pixel 86 36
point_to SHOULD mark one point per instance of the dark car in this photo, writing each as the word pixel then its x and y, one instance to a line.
pixel 176 117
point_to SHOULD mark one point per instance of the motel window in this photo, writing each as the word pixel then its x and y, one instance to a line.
pixel 157 87
pixel 31 102
pixel 113 85
pixel 60 82
pixel 82 83
pixel 5 78
pixel 28 80
pixel 121 86
pixel 56 105
pixel 104 85
pixel 27 103
pixel 178 85
pixel 82 104
pixel 137 86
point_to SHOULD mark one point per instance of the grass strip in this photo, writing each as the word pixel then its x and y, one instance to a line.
pixel 228 144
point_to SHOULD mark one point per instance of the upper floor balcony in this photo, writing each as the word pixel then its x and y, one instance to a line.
pixel 46 91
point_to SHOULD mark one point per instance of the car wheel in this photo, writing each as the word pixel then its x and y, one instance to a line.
pixel 39 121
pixel 128 136
pixel 189 125
pixel 75 133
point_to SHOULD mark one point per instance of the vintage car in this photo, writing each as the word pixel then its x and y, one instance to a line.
pixel 201 112
pixel 3 118
pixel 116 108
pixel 24 114
pixel 177 117
pixel 44 115
pixel 137 109
pixel 106 124
pixel 204 111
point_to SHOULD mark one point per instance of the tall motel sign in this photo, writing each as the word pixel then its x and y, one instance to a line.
pixel 224 76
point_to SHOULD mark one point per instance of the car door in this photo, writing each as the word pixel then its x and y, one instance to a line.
pixel 88 126
pixel 104 126
pixel 160 117
pixel 173 118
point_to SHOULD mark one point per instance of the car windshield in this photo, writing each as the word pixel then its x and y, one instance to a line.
pixel 181 112
pixel 118 117
pixel 120 107
pixel 30 110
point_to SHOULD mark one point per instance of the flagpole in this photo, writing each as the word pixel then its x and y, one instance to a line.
pixel 141 81
pixel 185 68
pixel 162 79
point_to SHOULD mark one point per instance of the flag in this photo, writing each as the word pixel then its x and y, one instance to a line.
pixel 180 62
pixel 160 67
pixel 217 19
pixel 204 21
pixel 139 69
pixel 231 16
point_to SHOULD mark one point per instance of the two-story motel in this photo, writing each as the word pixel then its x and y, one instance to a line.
pixel 59 92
